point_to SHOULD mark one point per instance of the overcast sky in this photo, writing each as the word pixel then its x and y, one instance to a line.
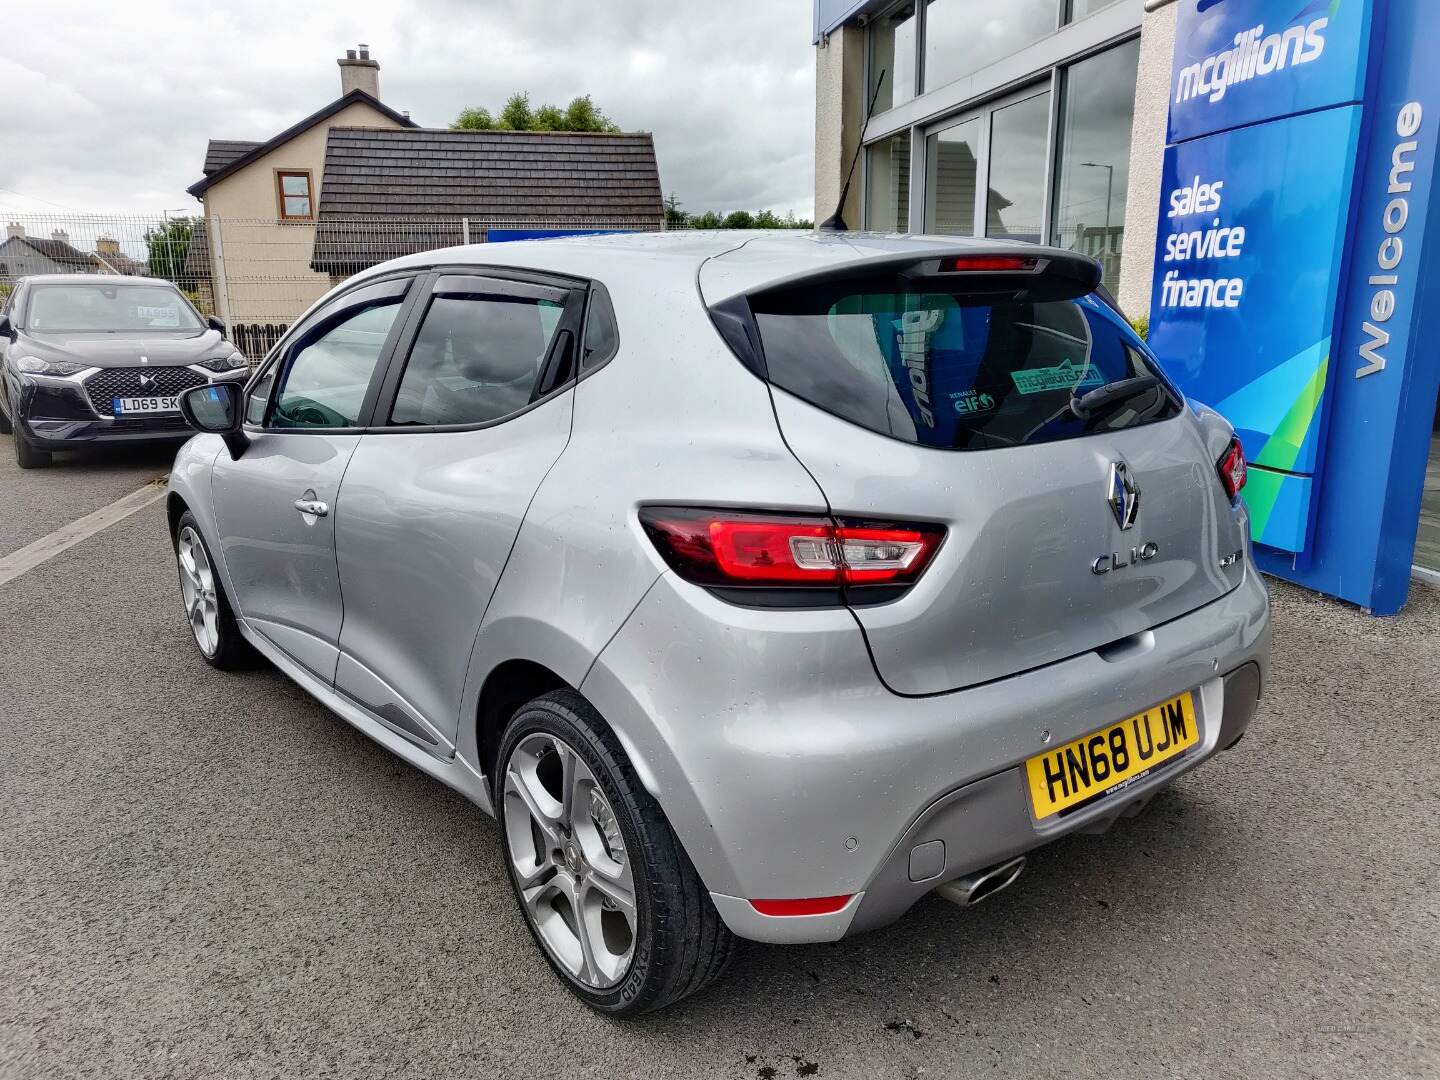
pixel 109 106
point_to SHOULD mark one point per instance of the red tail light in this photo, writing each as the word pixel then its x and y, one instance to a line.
pixel 983 263
pixel 729 548
pixel 1232 469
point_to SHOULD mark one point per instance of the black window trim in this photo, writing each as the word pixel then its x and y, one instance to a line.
pixel 382 391
pixel 571 321
pixel 598 292
pixel 339 307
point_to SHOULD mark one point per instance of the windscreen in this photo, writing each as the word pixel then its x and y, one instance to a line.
pixel 955 370
pixel 57 308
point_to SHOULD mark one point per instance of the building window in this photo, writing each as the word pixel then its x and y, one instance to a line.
pixel 1097 105
pixel 893 56
pixel 952 171
pixel 963 36
pixel 1019 151
pixel 293 192
pixel 887 184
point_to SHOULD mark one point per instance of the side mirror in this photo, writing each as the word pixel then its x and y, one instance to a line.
pixel 214 323
pixel 217 410
pixel 6 330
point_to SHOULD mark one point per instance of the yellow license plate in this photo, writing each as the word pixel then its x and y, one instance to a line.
pixel 1111 758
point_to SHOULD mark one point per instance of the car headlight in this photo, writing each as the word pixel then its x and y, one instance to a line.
pixel 33 365
pixel 233 362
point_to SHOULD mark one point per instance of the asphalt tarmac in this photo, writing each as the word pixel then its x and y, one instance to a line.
pixel 208 875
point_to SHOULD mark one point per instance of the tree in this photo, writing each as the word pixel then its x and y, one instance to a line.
pixel 517 115
pixel 675 217
pixel 736 219
pixel 166 244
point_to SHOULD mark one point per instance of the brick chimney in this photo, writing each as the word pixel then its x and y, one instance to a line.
pixel 359 72
pixel 61 235
pixel 107 245
pixel 14 229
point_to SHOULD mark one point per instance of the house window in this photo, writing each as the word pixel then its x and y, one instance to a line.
pixel 293 191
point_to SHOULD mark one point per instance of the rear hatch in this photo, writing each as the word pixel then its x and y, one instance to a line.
pixel 941 390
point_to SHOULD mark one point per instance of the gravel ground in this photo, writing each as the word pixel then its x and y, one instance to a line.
pixel 210 876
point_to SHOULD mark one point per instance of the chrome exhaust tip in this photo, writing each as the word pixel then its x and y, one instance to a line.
pixel 969 890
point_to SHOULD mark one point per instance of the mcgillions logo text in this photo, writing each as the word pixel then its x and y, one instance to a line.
pixel 1253 56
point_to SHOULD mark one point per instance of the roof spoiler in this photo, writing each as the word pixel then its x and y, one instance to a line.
pixel 1011 273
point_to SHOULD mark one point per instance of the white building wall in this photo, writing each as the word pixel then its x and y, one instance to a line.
pixel 1147 155
pixel 839 112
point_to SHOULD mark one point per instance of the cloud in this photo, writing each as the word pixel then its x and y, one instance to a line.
pixel 111 105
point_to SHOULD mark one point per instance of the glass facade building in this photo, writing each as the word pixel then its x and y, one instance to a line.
pixel 986 123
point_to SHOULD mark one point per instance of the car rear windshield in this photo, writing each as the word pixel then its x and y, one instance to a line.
pixel 954 370
pixel 57 308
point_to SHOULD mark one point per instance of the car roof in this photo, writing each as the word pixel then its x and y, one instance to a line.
pixel 725 262
pixel 91 279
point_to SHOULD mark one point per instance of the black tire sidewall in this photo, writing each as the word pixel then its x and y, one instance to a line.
pixel 230 645
pixel 555 716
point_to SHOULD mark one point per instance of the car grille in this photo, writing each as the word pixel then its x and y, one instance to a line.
pixel 110 383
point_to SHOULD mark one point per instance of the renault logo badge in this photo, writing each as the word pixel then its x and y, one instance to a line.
pixel 1124 496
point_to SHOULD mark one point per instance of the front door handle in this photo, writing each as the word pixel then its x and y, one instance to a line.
pixel 312 507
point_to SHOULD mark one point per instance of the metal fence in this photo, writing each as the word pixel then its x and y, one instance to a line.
pixel 256 275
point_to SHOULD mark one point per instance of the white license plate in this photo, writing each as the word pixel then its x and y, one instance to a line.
pixel 133 406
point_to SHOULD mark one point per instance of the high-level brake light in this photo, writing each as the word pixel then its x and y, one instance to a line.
pixel 985 263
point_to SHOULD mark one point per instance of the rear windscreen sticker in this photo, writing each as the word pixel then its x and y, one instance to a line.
pixel 972 403
pixel 915 330
pixel 1063 376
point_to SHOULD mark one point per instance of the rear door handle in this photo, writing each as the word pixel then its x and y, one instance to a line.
pixel 312 507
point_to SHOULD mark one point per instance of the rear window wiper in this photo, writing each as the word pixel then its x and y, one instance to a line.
pixel 1103 398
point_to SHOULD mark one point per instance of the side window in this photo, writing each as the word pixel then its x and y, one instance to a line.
pixel 476 358
pixel 324 382
pixel 601 336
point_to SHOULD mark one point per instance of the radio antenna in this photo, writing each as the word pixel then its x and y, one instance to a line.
pixel 836 221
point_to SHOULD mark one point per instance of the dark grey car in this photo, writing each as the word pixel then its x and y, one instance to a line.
pixel 87 360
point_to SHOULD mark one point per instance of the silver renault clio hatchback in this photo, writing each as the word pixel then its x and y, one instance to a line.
pixel 759 584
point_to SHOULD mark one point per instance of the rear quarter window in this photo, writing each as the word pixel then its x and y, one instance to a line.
pixel 954 370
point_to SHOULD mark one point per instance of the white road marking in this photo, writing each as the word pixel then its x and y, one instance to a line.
pixel 67 536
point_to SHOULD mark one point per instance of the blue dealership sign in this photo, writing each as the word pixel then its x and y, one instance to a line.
pixel 1252 228
pixel 1240 62
pixel 1290 270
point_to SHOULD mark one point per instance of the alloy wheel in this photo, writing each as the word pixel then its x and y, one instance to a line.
pixel 197 588
pixel 569 861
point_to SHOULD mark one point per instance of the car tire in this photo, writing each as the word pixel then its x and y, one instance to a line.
pixel 677 941
pixel 26 456
pixel 207 608
pixel 6 427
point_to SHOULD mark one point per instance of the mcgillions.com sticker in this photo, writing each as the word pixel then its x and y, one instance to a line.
pixel 970 403
pixel 1064 376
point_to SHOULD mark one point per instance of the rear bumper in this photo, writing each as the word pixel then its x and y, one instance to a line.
pixel 787 769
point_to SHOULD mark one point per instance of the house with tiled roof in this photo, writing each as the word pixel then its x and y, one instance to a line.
pixel 357 182
pixel 390 193
pixel 266 193
pixel 22 255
